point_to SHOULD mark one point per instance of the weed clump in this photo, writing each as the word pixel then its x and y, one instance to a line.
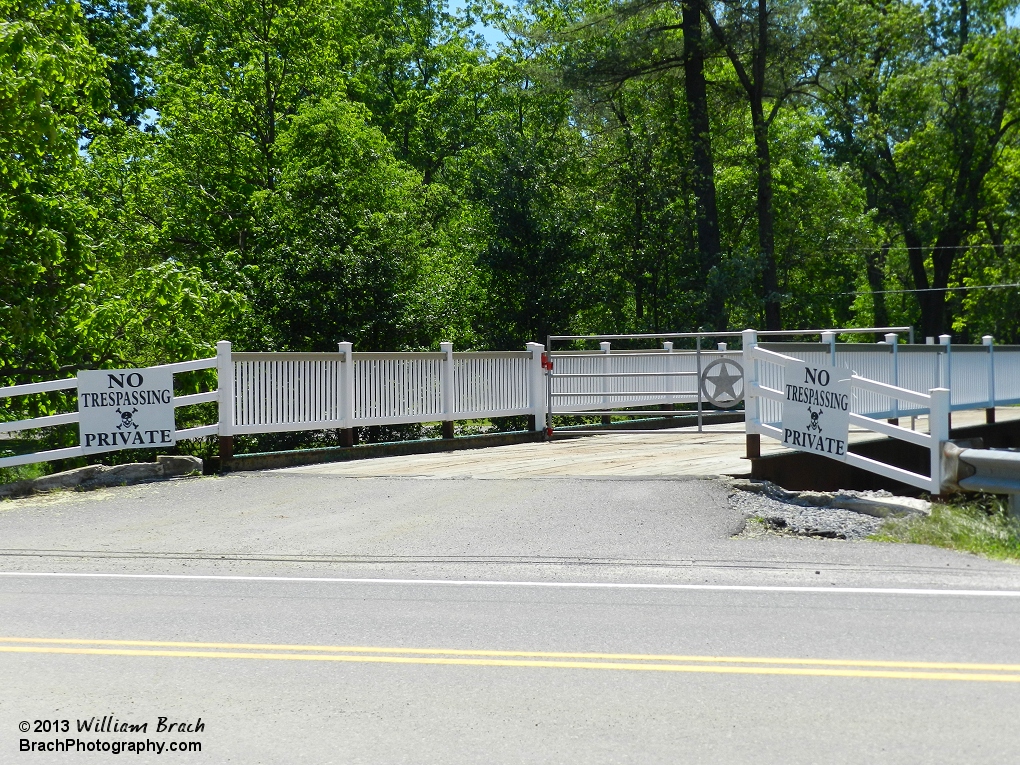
pixel 979 524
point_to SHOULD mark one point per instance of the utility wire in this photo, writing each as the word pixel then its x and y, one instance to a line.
pixel 866 248
pixel 932 289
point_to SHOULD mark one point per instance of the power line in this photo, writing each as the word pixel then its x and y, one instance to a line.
pixel 865 248
pixel 932 289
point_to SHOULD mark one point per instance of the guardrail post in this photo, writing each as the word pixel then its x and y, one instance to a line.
pixel 752 438
pixel 938 429
pixel 225 388
pixel 830 338
pixel 347 433
pixel 536 394
pixel 894 340
pixel 606 348
pixel 446 389
pixel 989 342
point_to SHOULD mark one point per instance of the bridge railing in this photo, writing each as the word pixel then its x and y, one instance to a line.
pixel 604 380
pixel 274 392
pixel 979 376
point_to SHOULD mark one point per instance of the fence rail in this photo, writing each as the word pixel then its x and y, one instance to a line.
pixel 978 376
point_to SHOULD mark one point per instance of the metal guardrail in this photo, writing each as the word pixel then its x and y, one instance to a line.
pixel 995 471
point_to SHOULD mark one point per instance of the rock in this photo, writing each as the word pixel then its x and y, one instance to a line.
pixel 784 518
pixel 122 475
pixel 880 504
pixel 67 480
pixel 174 464
pixel 882 507
pixel 813 498
pixel 99 476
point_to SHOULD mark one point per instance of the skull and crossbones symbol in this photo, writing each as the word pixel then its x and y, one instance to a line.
pixel 813 425
pixel 126 419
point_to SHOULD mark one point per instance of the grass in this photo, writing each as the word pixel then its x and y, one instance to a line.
pixel 978 524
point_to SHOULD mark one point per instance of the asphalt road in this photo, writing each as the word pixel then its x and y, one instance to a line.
pixel 559 621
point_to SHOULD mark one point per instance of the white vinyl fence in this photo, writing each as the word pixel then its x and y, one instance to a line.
pixel 275 392
pixel 979 376
pixel 272 392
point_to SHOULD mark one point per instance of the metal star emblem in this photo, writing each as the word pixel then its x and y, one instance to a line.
pixel 725 382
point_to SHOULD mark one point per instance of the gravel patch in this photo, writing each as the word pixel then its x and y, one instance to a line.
pixel 771 515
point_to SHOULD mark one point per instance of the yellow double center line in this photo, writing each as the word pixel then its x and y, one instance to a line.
pixel 726 665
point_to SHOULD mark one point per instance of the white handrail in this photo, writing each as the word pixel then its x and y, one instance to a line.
pixel 48 421
pixel 27 389
pixel 275 392
pixel 901 394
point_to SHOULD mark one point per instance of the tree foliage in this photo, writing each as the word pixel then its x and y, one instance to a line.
pixel 288 174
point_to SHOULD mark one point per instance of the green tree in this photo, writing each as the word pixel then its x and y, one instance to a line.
pixel 339 250
pixel 769 49
pixel 51 89
pixel 922 99
pixel 228 77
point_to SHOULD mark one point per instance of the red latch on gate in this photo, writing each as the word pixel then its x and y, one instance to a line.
pixel 546 361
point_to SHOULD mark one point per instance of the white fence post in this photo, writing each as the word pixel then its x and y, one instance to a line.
pixel 536 387
pixel 830 339
pixel 989 342
pixel 938 428
pixel 752 438
pixel 606 348
pixel 946 378
pixel 347 393
pixel 225 388
pixel 894 340
pixel 667 346
pixel 446 389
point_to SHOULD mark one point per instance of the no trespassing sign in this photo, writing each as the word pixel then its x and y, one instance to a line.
pixel 816 409
pixel 126 409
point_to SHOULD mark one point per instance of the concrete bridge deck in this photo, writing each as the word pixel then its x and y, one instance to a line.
pixel 718 451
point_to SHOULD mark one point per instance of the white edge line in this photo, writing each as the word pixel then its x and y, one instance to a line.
pixel 491 583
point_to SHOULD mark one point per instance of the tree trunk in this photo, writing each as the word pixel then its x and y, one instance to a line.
pixel 876 281
pixel 702 170
pixel 753 83
pixel 932 304
pixel 766 227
